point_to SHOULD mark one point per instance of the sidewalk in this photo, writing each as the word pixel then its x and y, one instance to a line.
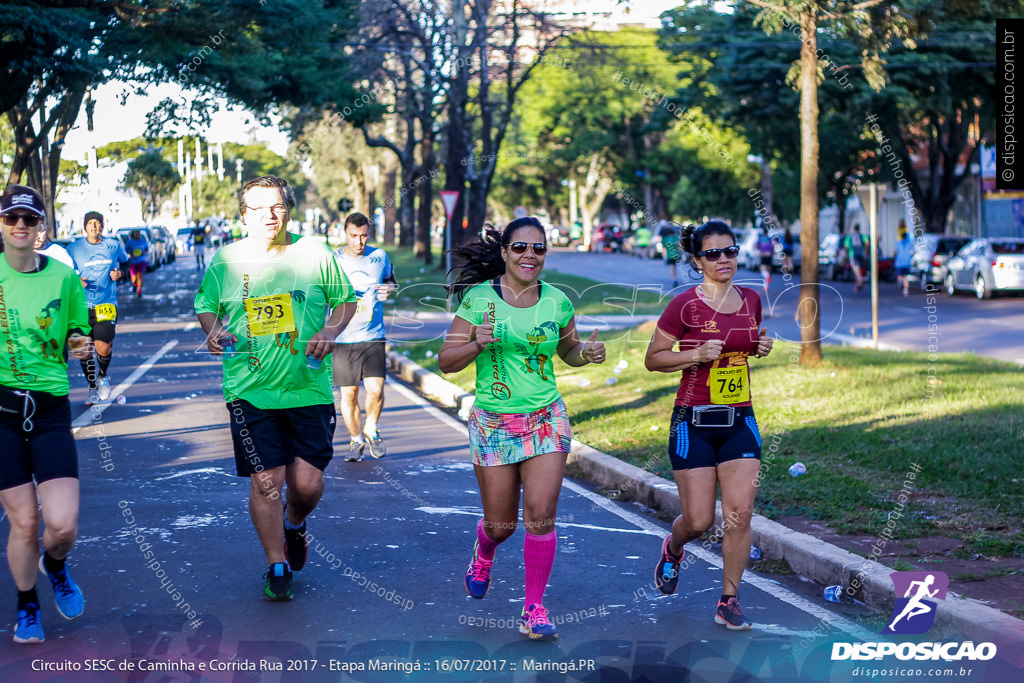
pixel 808 556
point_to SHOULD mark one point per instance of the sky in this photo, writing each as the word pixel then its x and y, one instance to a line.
pixel 113 121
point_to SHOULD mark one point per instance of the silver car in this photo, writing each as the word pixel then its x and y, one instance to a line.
pixel 931 254
pixel 987 265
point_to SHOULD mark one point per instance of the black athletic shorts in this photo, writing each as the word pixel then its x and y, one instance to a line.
pixel 35 440
pixel 353 362
pixel 268 438
pixel 102 330
pixel 690 447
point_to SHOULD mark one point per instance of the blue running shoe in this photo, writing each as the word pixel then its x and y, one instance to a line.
pixel 478 575
pixel 730 615
pixel 535 624
pixel 666 574
pixel 66 593
pixel 28 629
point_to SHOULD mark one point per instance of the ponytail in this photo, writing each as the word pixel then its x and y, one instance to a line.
pixel 480 260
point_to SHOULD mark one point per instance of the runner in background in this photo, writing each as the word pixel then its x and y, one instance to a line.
pixel 52 249
pixel 199 245
pixel 902 257
pixel 669 234
pixel 359 354
pixel 138 255
pixel 511 324
pixel 266 298
pixel 38 458
pixel 99 260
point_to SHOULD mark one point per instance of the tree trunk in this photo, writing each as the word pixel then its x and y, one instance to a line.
pixel 808 308
pixel 426 192
pixel 407 208
pixel 389 205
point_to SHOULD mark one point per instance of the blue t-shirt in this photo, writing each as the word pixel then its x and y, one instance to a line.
pixel 95 263
pixel 365 273
pixel 904 252
pixel 137 250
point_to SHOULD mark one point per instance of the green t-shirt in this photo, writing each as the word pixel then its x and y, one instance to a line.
pixel 516 373
pixel 274 306
pixel 37 312
pixel 643 237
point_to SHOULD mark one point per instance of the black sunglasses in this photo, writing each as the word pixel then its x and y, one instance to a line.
pixel 31 220
pixel 538 248
pixel 715 254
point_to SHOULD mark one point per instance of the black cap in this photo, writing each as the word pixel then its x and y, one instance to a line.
pixel 90 215
pixel 30 201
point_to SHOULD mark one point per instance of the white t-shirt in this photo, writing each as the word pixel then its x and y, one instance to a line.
pixel 55 251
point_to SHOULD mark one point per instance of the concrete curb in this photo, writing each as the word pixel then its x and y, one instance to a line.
pixel 809 557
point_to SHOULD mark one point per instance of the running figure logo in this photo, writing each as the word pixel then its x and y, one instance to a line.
pixel 914 613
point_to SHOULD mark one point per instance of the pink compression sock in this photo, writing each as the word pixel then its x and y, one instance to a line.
pixel 487 546
pixel 539 554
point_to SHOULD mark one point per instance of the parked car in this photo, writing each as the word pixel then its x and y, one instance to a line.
pixel 170 244
pixel 606 237
pixel 987 265
pixel 931 253
pixel 151 260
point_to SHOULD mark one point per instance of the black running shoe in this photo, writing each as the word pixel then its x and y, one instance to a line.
pixel 666 574
pixel 295 547
pixel 279 583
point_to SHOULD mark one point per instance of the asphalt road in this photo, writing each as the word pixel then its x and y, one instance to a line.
pixel 391 540
pixel 920 322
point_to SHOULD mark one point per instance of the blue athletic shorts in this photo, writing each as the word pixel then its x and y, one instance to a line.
pixel 690 447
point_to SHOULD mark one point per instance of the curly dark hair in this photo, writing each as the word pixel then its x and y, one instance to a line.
pixel 480 260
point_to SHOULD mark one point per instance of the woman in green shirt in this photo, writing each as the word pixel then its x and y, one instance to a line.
pixel 42 308
pixel 511 324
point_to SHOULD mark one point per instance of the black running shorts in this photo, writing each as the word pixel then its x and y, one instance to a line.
pixel 38 445
pixel 690 447
pixel 353 362
pixel 102 330
pixel 267 438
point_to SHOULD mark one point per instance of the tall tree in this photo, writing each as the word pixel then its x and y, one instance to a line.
pixel 489 65
pixel 153 179
pixel 52 52
pixel 874 28
pixel 939 102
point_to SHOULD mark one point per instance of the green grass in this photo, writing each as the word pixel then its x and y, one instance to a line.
pixel 859 421
pixel 421 288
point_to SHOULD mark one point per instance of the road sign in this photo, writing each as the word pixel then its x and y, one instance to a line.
pixel 449 198
pixel 344 205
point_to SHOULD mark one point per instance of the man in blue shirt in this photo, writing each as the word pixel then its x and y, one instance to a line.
pixel 359 350
pixel 902 257
pixel 99 261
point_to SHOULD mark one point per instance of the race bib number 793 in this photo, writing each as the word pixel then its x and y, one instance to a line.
pixel 270 314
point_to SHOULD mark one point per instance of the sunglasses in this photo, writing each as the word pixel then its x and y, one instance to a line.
pixel 715 254
pixel 31 220
pixel 538 248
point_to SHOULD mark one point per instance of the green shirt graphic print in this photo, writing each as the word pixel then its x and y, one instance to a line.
pixel 274 305
pixel 37 311
pixel 516 373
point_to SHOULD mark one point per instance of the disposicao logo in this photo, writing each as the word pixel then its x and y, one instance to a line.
pixel 914 613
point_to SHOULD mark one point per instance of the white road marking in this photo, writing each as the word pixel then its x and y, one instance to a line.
pixel 94 412
pixel 191 326
pixel 784 595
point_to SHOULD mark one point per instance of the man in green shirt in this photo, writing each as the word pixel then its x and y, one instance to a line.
pixel 262 304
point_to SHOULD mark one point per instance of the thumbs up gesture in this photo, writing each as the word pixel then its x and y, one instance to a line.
pixel 593 350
